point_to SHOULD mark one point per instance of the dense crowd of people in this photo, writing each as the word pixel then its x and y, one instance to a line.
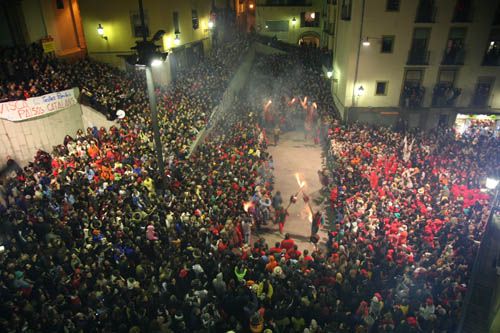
pixel 93 242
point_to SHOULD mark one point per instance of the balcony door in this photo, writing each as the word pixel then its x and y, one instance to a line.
pixel 412 93
pixel 418 52
pixel 482 93
pixel 454 53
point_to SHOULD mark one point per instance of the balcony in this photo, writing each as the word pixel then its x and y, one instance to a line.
pixel 418 57
pixel 480 98
pixel 412 96
pixel 463 12
pixel 445 95
pixel 426 13
pixel 454 56
pixel 492 58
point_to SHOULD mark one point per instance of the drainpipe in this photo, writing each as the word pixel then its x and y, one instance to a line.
pixel 357 61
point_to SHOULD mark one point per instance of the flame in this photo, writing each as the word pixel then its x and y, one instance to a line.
pixel 301 183
pixel 247 205
pixel 309 215
pixel 269 103
pixel 293 100
pixel 315 105
pixel 306 213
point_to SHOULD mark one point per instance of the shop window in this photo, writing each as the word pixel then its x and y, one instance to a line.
pixel 277 26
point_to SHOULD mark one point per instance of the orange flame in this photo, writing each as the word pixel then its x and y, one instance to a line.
pixel 309 215
pixel 247 205
pixel 301 183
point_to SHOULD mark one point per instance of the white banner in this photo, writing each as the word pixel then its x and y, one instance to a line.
pixel 37 106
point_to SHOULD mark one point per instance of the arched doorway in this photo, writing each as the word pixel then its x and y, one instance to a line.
pixel 309 38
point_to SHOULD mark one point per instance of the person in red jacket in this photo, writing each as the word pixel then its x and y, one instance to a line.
pixel 287 243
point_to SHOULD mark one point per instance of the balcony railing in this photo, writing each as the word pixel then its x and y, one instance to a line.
pixel 492 58
pixel 418 57
pixel 480 98
pixel 454 56
pixel 412 96
pixel 463 11
pixel 426 14
pixel 445 95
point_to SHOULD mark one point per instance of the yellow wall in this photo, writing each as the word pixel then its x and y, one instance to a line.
pixel 114 16
pixel 281 13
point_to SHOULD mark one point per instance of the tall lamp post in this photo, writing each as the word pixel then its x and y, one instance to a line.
pixel 147 55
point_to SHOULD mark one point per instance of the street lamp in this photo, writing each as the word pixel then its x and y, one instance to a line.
pixel 360 91
pixel 100 32
pixel 147 55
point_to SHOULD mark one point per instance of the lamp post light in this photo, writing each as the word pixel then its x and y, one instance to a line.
pixel 100 32
pixel 148 55
pixel 360 91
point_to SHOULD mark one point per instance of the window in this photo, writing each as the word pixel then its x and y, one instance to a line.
pixel 492 54
pixel 387 44
pixel 176 22
pixel 392 6
pixel 309 19
pixel 194 18
pixel 346 10
pixel 481 95
pixel 463 11
pixel 496 18
pixel 135 20
pixel 277 26
pixel 445 94
pixel 381 88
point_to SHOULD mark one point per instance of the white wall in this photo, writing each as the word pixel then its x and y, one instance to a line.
pixel 91 118
pixel 21 140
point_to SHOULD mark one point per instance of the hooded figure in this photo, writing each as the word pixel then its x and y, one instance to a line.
pixel 151 233
pixel 219 285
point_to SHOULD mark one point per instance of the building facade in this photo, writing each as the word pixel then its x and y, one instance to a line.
pixel 425 60
pixel 291 21
pixel 106 30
